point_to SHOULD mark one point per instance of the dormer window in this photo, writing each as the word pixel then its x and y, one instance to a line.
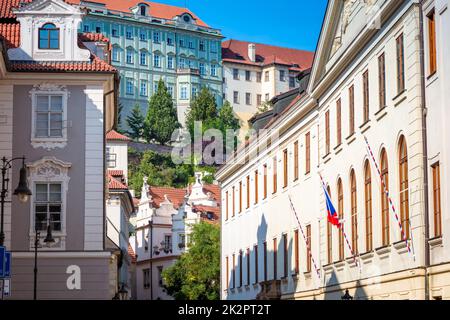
pixel 186 18
pixel 143 10
pixel 49 37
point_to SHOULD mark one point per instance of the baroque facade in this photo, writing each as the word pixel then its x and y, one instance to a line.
pixel 379 74
pixel 152 41
pixel 57 101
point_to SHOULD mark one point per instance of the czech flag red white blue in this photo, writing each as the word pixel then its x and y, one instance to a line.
pixel 333 217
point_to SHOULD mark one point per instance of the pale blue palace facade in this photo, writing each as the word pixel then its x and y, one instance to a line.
pixel 178 48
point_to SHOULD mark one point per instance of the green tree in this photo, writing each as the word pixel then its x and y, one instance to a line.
pixel 264 107
pixel 119 118
pixel 135 122
pixel 203 108
pixel 196 275
pixel 161 120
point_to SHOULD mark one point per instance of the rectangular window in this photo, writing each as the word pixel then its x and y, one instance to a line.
pixel 236 97
pixel 202 68
pixel 292 82
pixel 143 89
pixel 146 282
pixel 327 133
pixel 285 256
pixel 432 43
pixel 160 278
pixel 227 208
pixel 248 75
pixel 240 197
pixel 282 75
pixel 255 249
pixel 182 63
pixel 115 32
pixel 129 34
pixel 285 168
pixel 98 30
pixel 248 99
pixel 296 252
pixel 256 187
pixel 182 43
pixel 202 45
pixel 143 36
pixel 296 160
pixel 240 269
pixel 309 255
pixel 156 61
pixel 339 122
pixel 308 153
pixel 267 76
pixel 214 47
pixel 170 62
pixel 248 266
pixel 48 206
pixel 275 177
pixel 170 89
pixel 130 55
pixel 275 259
pixel 86 28
pixel 267 97
pixel 233 271
pixel 227 273
pixel 382 80
pixel 111 158
pixel 351 107
pixel 248 192
pixel 115 54
pixel 258 99
pixel 169 41
pixel 437 200
pixel 49 116
pixel 143 58
pixel 49 37
pixel 265 181
pixel 233 207
pixel 366 96
pixel 130 86
pixel 156 37
pixel 400 65
pixel 191 45
pixel 236 74
pixel 183 93
pixel 167 243
pixel 265 261
pixel 258 76
pixel 214 70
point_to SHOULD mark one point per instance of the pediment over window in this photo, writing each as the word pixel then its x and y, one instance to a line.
pixel 49 169
pixel 49 32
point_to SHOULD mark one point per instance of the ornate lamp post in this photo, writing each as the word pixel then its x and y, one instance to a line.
pixel 22 190
pixel 347 296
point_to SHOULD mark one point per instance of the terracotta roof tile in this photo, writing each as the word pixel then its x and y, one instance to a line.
pixel 116 173
pixel 113 135
pixel 237 51
pixel 157 10
pixel 132 254
pixel 93 37
pixel 115 184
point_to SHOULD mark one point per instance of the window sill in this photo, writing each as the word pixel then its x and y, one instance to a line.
pixel 432 78
pixel 338 149
pixel 399 98
pixel 351 138
pixel 328 267
pixel 308 275
pixel 382 252
pixel 365 126
pixel 327 157
pixel 436 242
pixel 381 113
pixel 367 257
pixel 339 265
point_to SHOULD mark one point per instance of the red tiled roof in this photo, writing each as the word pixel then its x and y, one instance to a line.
pixel 93 37
pixel 116 173
pixel 115 184
pixel 113 135
pixel 237 51
pixel 157 10
pixel 132 254
pixel 10 33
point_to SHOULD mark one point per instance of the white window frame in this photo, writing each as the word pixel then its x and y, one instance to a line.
pixel 156 61
pixel 170 62
pixel 141 93
pixel 44 171
pixel 49 143
pixel 126 86
pixel 143 54
pixel 184 89
pixel 214 70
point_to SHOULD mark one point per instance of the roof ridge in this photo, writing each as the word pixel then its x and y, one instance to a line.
pixel 268 45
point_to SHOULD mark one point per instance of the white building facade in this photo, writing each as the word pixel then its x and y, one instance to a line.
pixel 366 81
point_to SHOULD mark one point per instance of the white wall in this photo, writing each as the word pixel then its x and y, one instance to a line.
pixel 120 149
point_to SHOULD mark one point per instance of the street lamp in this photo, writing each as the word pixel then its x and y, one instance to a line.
pixel 347 296
pixel 123 293
pixel 48 240
pixel 22 191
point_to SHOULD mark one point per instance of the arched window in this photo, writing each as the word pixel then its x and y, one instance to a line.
pixel 384 199
pixel 330 235
pixel 404 190
pixel 354 212
pixel 341 216
pixel 368 205
pixel 49 37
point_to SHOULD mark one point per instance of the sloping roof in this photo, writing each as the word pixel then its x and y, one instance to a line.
pixel 10 34
pixel 157 10
pixel 237 51
pixel 113 135
pixel 92 36
pixel 114 184
pixel 131 254
pixel 116 173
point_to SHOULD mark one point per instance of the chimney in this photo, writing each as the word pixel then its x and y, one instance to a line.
pixel 252 52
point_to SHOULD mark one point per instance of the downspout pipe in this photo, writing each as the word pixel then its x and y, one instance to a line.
pixel 425 150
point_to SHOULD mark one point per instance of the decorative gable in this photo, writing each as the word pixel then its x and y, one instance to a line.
pixel 49 32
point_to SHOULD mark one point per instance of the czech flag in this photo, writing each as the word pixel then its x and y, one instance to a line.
pixel 333 217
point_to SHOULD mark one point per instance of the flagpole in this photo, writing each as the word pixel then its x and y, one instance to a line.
pixel 304 237
pixel 341 225
pixel 386 191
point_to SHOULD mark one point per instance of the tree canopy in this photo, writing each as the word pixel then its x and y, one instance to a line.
pixel 135 123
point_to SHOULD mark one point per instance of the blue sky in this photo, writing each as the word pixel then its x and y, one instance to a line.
pixel 287 23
